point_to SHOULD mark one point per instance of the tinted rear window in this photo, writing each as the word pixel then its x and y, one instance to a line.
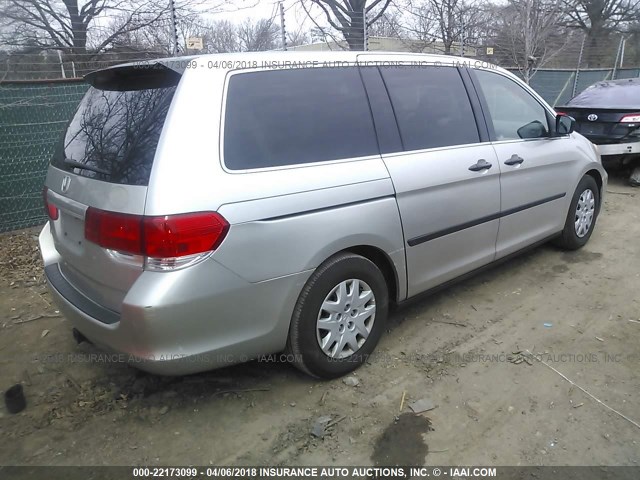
pixel 620 95
pixel 288 117
pixel 114 134
pixel 431 105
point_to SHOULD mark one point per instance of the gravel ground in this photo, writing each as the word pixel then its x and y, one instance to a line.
pixel 462 354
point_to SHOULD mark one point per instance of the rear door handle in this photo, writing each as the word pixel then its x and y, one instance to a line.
pixel 482 164
pixel 514 160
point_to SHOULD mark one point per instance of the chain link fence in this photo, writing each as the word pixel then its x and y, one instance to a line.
pixel 33 116
pixel 558 86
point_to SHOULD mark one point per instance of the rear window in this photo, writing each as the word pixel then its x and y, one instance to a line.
pixel 114 134
pixel 615 95
pixel 288 117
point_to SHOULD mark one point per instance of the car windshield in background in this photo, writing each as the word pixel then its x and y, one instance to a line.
pixel 619 94
pixel 114 134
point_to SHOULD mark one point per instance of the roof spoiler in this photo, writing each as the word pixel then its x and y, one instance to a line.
pixel 137 76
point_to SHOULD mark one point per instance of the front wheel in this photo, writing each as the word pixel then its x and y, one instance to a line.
pixel 582 215
pixel 339 317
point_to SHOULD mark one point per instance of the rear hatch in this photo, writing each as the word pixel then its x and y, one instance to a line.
pixel 103 163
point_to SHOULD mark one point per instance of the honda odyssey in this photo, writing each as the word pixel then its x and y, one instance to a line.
pixel 204 211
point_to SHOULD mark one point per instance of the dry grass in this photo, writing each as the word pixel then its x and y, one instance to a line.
pixel 20 262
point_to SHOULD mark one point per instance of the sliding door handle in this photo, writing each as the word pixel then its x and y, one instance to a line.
pixel 482 164
pixel 514 160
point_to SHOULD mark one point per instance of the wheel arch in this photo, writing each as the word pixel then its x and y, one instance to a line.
pixel 383 262
pixel 595 174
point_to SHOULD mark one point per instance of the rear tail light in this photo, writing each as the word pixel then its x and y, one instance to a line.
pixel 50 209
pixel 181 235
pixel 632 118
pixel 558 112
pixel 115 231
pixel 167 242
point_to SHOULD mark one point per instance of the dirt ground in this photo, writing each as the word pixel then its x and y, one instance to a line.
pixel 458 350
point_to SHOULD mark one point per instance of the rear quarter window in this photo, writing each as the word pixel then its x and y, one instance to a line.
pixel 291 117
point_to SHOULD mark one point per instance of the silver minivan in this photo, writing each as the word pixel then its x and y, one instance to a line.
pixel 210 210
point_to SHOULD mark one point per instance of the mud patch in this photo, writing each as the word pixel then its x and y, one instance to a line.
pixel 402 443
pixel 581 256
pixel 560 268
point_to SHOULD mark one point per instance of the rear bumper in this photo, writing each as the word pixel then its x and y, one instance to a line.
pixel 173 323
pixel 619 148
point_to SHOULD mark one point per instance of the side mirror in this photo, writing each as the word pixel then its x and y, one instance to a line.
pixel 533 129
pixel 564 124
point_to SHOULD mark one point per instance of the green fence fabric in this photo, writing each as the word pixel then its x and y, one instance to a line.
pixel 556 86
pixel 33 116
pixel 32 119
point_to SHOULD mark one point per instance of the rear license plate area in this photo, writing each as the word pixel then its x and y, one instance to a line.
pixel 591 128
pixel 71 232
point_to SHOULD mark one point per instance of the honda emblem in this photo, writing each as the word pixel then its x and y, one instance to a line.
pixel 66 182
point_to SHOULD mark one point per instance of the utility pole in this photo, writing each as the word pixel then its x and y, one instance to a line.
pixel 365 38
pixel 64 75
pixel 575 79
pixel 615 64
pixel 461 36
pixel 174 27
pixel 283 32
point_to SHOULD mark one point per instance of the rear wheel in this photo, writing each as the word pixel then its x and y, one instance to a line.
pixel 634 178
pixel 582 215
pixel 339 317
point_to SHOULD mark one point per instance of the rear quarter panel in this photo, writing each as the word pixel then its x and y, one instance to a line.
pixel 282 220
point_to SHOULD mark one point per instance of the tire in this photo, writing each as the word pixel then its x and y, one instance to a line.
pixel 315 318
pixel 576 236
pixel 634 178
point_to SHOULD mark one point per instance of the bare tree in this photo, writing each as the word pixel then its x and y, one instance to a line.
pixel 388 25
pixel 446 21
pixel 597 19
pixel 258 36
pixel 153 37
pixel 297 37
pixel 66 24
pixel 632 44
pixel 420 26
pixel 530 31
pixel 77 27
pixel 221 37
pixel 348 17
pixel 454 20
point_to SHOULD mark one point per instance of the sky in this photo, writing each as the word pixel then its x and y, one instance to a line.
pixel 238 10
pixel 295 16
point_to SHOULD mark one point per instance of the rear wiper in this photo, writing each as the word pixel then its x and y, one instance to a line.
pixel 84 166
